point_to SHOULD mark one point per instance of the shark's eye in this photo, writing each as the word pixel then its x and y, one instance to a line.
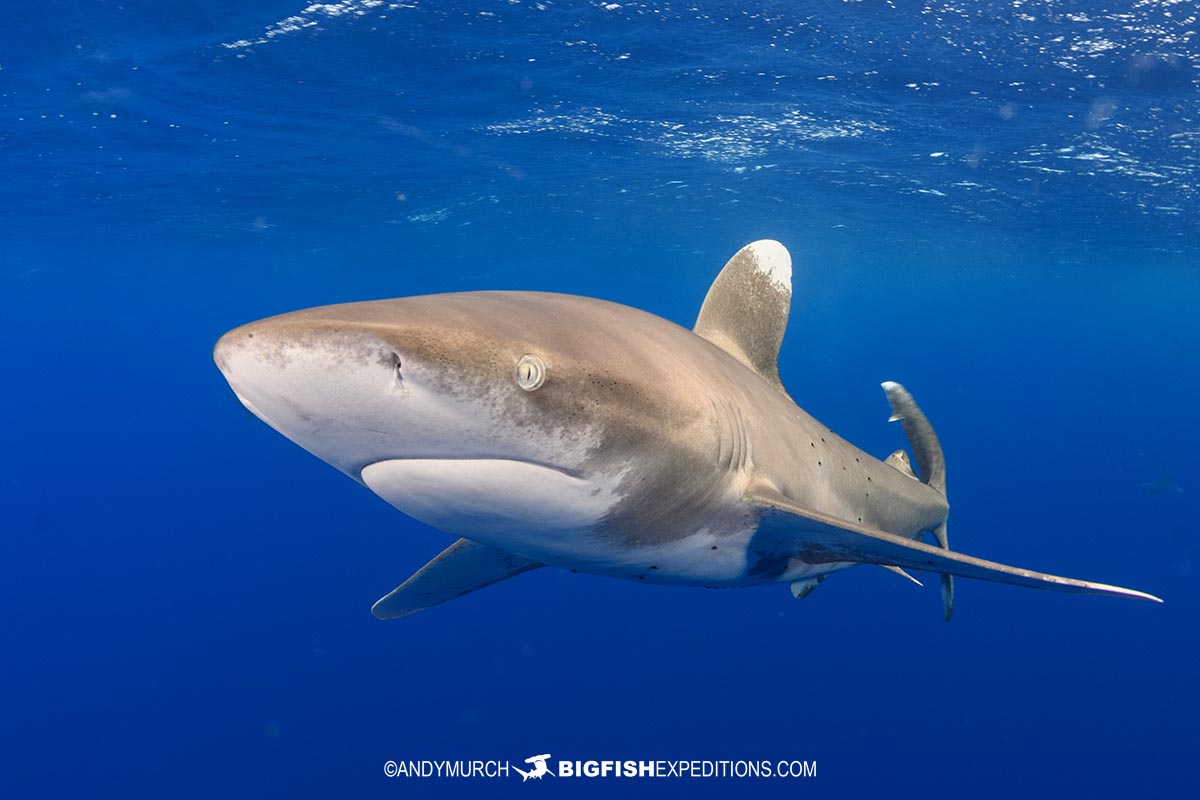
pixel 531 372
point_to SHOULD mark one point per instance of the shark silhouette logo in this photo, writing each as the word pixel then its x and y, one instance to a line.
pixel 538 770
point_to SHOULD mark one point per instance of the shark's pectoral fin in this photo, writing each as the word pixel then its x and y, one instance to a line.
pixel 812 537
pixel 746 310
pixel 802 589
pixel 460 569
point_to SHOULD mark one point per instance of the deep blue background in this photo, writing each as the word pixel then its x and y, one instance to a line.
pixel 994 205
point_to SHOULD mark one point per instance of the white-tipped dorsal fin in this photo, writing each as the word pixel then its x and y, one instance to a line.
pixel 746 310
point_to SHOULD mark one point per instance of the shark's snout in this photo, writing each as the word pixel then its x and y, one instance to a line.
pixel 221 351
pixel 316 383
pixel 232 354
pixel 235 352
pixel 236 341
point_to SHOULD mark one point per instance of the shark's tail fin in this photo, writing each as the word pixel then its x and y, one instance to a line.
pixel 931 465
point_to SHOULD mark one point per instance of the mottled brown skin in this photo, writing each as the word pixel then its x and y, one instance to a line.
pixel 746 301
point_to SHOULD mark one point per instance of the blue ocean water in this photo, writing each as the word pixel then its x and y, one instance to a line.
pixel 993 203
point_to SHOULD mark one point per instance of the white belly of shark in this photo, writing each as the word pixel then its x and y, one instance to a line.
pixel 547 516
pixel 537 511
pixel 556 430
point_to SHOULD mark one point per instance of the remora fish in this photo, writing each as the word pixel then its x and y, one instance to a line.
pixel 549 429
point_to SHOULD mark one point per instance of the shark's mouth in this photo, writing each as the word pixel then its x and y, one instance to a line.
pixel 479 497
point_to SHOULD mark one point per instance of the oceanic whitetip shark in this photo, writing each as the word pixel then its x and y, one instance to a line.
pixel 550 429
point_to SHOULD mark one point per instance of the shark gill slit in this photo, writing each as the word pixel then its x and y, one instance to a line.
pixel 720 429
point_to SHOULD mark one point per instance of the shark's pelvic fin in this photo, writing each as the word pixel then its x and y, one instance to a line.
pixel 460 569
pixel 899 460
pixel 746 310
pixel 789 529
